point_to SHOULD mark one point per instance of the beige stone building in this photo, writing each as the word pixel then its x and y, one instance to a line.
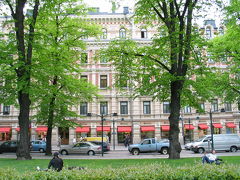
pixel 141 117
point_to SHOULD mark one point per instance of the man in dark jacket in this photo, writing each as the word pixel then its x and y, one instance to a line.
pixel 56 162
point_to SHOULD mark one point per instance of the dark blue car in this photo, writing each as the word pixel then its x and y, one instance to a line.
pixel 38 145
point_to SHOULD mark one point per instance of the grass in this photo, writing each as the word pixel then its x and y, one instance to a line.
pixel 30 165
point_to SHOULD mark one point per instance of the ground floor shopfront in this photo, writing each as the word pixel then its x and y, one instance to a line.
pixel 117 132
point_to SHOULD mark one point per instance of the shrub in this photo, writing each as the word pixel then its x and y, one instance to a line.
pixel 151 171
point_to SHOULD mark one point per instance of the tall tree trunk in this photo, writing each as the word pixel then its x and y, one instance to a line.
pixel 175 147
pixel 50 120
pixel 23 151
pixel 23 74
pixel 50 126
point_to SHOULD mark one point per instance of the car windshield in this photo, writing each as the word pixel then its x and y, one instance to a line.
pixel 199 140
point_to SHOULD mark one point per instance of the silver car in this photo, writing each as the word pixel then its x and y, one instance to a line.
pixel 81 148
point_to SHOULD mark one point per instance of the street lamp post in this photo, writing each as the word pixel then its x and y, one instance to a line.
pixel 190 134
pixel 102 119
pixel 211 124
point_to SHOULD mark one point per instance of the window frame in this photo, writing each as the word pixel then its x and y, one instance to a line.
pixel 103 81
pixel 83 109
pixel 103 107
pixel 146 107
pixel 123 107
pixel 166 107
pixel 122 33
pixel 143 33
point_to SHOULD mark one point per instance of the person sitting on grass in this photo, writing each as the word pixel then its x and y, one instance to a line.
pixel 211 158
pixel 56 162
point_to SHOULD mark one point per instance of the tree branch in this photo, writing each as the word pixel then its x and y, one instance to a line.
pixel 11 8
pixel 141 55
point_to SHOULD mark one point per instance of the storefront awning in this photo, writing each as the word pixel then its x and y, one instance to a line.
pixel 5 129
pixel 147 128
pixel 105 128
pixel 42 129
pixel 189 126
pixel 124 129
pixel 18 129
pixel 231 125
pixel 217 125
pixel 203 126
pixel 165 128
pixel 82 129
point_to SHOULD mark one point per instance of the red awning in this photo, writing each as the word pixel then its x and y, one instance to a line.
pixel 203 126
pixel 165 128
pixel 82 129
pixel 147 128
pixel 188 126
pixel 42 129
pixel 5 129
pixel 105 128
pixel 125 129
pixel 217 125
pixel 231 125
pixel 17 129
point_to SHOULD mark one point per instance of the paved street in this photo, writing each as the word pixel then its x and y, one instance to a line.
pixel 120 153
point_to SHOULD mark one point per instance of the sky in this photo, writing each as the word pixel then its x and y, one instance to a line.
pixel 105 6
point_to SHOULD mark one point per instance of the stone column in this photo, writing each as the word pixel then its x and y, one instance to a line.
pixel 158 130
pixel 137 137
pixel 72 135
pixel 93 130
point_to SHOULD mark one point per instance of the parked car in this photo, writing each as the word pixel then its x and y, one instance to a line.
pixel 188 146
pixel 8 146
pixel 81 148
pixel 150 145
pixel 38 145
pixel 222 142
pixel 106 145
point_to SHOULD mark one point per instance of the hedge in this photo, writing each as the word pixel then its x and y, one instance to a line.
pixel 152 171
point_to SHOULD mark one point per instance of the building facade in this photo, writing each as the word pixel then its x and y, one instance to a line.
pixel 141 117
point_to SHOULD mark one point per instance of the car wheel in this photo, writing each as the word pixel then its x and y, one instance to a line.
pixel 91 153
pixel 41 150
pixel 201 150
pixel 164 151
pixel 64 152
pixel 135 151
pixel 233 149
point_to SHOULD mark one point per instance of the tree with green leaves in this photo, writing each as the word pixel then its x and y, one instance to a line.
pixel 57 68
pixel 226 49
pixel 16 62
pixel 164 69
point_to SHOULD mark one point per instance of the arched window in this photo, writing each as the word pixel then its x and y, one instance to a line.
pixel 104 34
pixel 208 32
pixel 143 33
pixel 221 31
pixel 122 33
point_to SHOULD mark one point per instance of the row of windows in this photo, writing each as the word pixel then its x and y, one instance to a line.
pixel 208 32
pixel 123 108
pixel 122 33
pixel 84 59
pixel 147 107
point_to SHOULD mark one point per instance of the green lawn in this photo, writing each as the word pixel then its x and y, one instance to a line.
pixel 30 165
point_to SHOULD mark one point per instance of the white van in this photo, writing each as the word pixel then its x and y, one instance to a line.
pixel 222 142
